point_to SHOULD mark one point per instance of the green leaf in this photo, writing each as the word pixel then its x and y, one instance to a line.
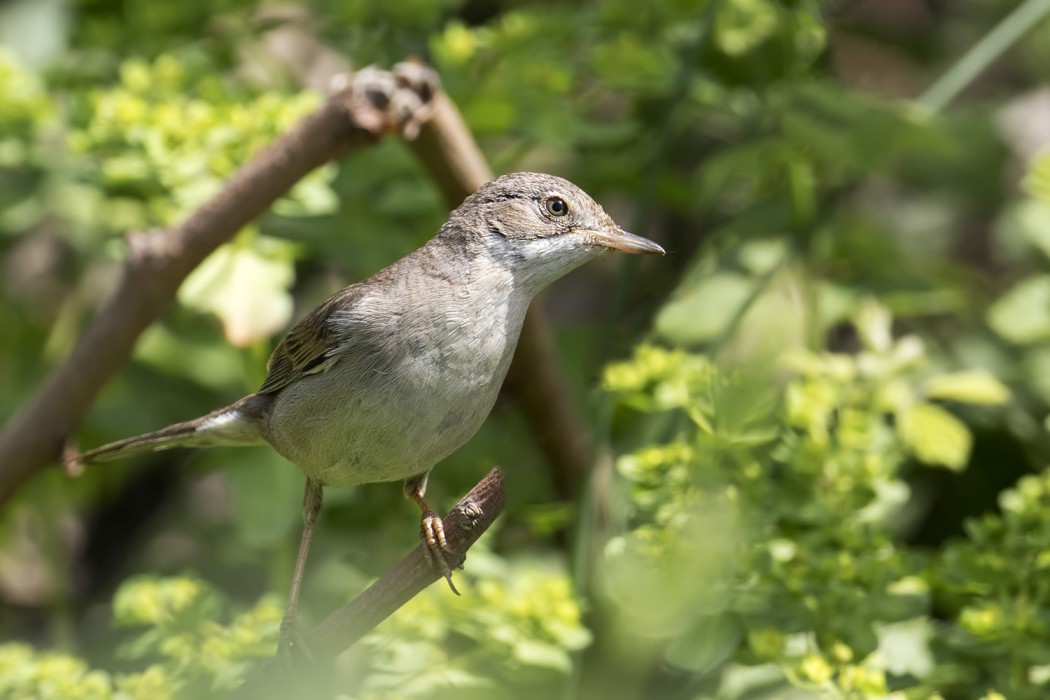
pixel 245 284
pixel 902 600
pixel 1036 368
pixel 150 600
pixel 311 196
pixel 762 256
pixel 1033 216
pixel 1022 315
pixel 905 646
pixel 703 311
pixel 742 25
pixel 265 492
pixel 209 363
pixel 534 653
pixel 971 386
pixel 1037 181
pixel 875 326
pixel 708 643
pixel 935 436
pixel 489 115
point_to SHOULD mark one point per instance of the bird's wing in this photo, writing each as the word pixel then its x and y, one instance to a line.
pixel 309 348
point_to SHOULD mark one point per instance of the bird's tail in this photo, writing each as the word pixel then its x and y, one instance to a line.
pixel 237 424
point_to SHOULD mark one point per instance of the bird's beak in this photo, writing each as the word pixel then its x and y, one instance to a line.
pixel 618 239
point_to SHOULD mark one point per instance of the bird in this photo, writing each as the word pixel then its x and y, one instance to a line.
pixel 392 374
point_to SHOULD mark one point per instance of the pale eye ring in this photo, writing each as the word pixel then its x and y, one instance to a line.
pixel 556 206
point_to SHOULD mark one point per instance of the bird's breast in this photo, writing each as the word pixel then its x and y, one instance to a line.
pixel 413 384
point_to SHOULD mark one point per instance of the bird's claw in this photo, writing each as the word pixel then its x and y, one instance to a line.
pixel 291 642
pixel 432 532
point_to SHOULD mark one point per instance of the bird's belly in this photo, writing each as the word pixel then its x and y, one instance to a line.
pixel 341 431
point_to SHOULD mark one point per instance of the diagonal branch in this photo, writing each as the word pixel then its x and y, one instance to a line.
pixel 372 103
pixel 471 517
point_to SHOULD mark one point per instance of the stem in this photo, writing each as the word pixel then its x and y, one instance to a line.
pixel 984 52
pixel 654 168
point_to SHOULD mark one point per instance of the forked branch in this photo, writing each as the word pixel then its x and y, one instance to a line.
pixel 370 104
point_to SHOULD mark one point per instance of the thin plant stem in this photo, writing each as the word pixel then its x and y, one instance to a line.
pixel 657 162
pixel 984 52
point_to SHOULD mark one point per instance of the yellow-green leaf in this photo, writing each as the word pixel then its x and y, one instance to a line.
pixel 708 642
pixel 971 386
pixel 1037 181
pixel 245 284
pixel 702 311
pixel 742 25
pixel 875 326
pixel 935 436
pixel 1022 315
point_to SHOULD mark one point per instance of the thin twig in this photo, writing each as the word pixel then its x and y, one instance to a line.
pixel 449 153
pixel 1005 34
pixel 371 104
pixel 667 134
pixel 474 513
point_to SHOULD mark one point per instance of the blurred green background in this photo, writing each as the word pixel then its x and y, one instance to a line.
pixel 818 424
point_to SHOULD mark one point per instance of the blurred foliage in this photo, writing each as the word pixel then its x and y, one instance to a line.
pixel 518 628
pixel 808 487
pixel 162 143
pixel 993 586
pixel 512 633
pixel 193 653
pixel 831 441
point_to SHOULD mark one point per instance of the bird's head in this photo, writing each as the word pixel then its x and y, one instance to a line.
pixel 543 226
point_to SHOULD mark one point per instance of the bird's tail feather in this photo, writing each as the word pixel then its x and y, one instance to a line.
pixel 227 426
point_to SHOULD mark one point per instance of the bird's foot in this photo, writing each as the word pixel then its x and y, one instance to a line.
pixel 292 643
pixel 432 532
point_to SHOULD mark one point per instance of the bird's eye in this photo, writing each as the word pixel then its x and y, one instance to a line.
pixel 556 206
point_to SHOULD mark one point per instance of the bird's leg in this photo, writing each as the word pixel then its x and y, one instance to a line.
pixel 312 500
pixel 431 529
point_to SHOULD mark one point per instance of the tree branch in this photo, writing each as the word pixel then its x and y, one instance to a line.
pixel 464 524
pixel 374 102
pixel 370 104
pixel 449 153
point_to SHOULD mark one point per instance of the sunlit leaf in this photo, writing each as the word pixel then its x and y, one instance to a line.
pixel 742 25
pixel 1022 315
pixel 708 643
pixel 935 436
pixel 245 284
pixel 1033 216
pixel 1037 181
pixel 266 491
pixel 542 655
pixel 874 326
pixel 703 311
pixel 971 386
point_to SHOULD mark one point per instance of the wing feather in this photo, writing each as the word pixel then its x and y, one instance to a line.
pixel 309 348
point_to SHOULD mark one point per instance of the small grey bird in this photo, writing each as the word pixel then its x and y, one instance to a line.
pixel 391 375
